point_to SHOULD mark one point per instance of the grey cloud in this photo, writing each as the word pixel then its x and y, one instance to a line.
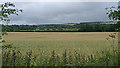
pixel 58 12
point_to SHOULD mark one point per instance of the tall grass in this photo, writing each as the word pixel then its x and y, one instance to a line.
pixel 14 58
pixel 106 57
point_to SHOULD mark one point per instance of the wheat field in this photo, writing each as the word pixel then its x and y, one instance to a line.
pixel 60 49
pixel 84 42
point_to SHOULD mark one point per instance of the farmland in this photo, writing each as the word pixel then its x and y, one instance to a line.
pixel 85 43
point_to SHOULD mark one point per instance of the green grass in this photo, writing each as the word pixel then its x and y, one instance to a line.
pixel 53 44
pixel 67 58
pixel 82 41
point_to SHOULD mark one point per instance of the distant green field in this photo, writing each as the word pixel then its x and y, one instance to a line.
pixel 84 42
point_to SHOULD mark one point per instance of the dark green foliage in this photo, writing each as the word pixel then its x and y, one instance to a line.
pixel 61 27
pixel 7 9
pixel 3 41
pixel 7 46
pixel 15 58
pixel 114 14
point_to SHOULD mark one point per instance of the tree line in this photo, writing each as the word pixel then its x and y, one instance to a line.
pixel 79 27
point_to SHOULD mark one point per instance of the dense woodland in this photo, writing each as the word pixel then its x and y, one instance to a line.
pixel 78 27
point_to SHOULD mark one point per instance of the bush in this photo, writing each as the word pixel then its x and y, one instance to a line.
pixel 3 41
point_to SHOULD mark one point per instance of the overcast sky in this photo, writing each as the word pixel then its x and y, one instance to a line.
pixel 60 12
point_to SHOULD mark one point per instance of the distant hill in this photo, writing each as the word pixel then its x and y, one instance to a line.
pixel 97 22
pixel 66 27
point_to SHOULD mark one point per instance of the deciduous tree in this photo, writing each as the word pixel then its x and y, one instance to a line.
pixel 7 9
pixel 114 14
